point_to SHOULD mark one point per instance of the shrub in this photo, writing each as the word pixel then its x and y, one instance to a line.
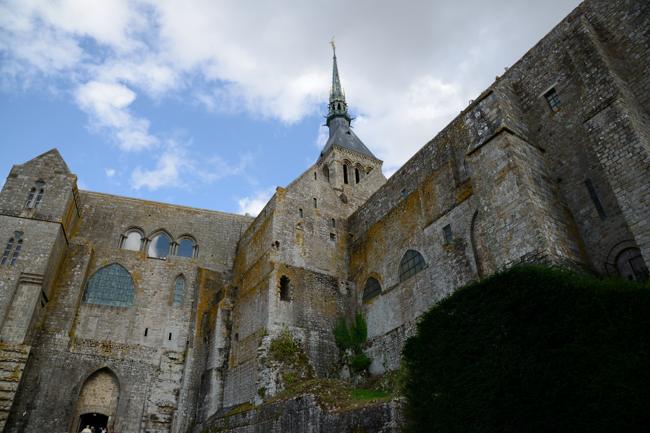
pixel 352 339
pixel 532 349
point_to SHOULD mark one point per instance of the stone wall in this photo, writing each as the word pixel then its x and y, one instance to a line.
pixel 304 414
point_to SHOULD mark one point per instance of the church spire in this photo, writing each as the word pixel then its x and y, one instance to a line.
pixel 338 108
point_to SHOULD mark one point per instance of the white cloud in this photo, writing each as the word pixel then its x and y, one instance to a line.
pixel 110 172
pixel 176 167
pixel 254 204
pixel 407 69
pixel 107 104
pixel 167 172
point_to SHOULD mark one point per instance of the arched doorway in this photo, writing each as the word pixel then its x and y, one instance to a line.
pixel 97 401
pixel 630 265
pixel 95 421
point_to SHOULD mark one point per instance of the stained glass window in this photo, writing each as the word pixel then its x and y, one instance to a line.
pixel 372 289
pixel 411 264
pixel 111 285
pixel 159 246
pixel 179 290
pixel 185 248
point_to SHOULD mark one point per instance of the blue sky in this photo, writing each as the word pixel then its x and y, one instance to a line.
pixel 213 104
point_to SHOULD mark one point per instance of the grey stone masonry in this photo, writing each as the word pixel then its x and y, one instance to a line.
pixel 162 317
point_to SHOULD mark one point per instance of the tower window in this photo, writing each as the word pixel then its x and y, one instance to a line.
pixel 333 223
pixel 12 249
pixel 315 176
pixel 553 99
pixel 447 234
pixel 300 212
pixel 35 196
pixel 146 331
pixel 315 202
pixel 356 175
pixel 285 288
pixel 332 237
pixel 345 173
pixel 170 337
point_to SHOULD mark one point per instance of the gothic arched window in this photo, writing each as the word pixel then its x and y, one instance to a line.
pixel 12 249
pixel 179 290
pixel 371 289
pixel 160 246
pixel 132 241
pixel 110 285
pixel 630 265
pixel 411 264
pixel 35 195
pixel 186 248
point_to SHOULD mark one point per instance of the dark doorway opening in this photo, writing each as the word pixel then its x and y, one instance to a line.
pixel 96 420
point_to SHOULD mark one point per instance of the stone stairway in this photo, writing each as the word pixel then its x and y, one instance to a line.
pixel 13 358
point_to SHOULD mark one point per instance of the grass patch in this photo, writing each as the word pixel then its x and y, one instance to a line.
pixel 334 394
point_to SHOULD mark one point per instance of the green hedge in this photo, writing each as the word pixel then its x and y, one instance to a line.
pixel 532 349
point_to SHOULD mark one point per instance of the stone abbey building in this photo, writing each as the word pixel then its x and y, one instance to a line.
pixel 150 317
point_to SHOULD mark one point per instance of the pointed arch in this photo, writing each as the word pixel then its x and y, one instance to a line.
pixel 99 394
pixel 371 289
pixel 186 246
pixel 132 239
pixel 111 285
pixel 160 244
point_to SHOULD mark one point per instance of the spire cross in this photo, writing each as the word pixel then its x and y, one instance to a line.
pixel 333 46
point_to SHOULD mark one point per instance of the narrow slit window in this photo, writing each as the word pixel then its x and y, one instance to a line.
pixel 146 331
pixel 315 202
pixel 170 337
pixel 30 198
pixel 300 212
pixel 447 234
pixel 356 175
pixel 315 176
pixel 285 288
pixel 345 173
pixel 595 199
pixel 333 223
pixel 553 99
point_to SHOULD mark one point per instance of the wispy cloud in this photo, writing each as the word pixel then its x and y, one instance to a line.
pixel 108 106
pixel 404 85
pixel 253 205
pixel 177 167
pixel 110 172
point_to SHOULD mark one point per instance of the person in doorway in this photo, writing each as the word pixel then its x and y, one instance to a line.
pixel 87 430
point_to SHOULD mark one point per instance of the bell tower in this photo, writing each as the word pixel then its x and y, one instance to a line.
pixel 345 161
